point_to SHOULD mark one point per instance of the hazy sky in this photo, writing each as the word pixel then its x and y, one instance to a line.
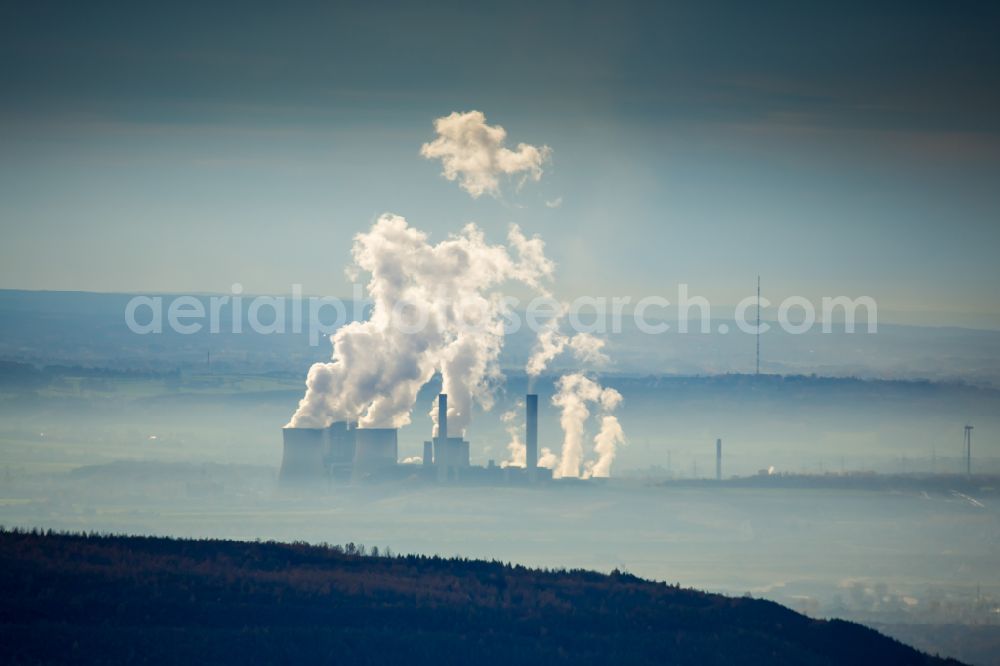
pixel 836 148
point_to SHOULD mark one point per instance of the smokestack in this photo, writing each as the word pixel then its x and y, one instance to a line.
pixel 442 453
pixel 443 416
pixel 428 453
pixel 531 434
pixel 718 460
pixel 968 450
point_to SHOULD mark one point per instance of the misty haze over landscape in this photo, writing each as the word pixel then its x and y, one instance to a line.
pixel 185 440
pixel 569 333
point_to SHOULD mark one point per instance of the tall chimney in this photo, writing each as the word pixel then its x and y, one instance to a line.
pixel 968 450
pixel 443 456
pixel 531 434
pixel 443 416
pixel 718 460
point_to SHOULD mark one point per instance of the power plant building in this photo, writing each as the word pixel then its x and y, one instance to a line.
pixel 340 452
pixel 343 452
pixel 451 454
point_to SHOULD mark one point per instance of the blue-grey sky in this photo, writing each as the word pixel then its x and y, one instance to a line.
pixel 835 148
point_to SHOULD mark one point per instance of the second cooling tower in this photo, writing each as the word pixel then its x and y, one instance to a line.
pixel 374 449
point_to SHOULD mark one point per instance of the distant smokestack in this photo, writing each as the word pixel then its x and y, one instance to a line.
pixel 428 453
pixel 968 450
pixel 531 434
pixel 443 416
pixel 718 460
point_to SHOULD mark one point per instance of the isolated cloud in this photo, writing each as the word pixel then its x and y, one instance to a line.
pixel 473 153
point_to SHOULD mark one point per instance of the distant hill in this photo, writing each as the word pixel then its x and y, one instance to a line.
pixel 89 329
pixel 99 599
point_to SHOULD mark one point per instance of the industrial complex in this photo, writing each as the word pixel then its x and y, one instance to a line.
pixel 343 453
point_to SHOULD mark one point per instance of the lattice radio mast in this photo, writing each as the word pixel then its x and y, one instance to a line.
pixel 757 372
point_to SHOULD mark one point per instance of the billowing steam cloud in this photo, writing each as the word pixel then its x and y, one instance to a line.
pixel 516 449
pixel 606 444
pixel 440 308
pixel 589 349
pixel 575 393
pixel 551 343
pixel 548 459
pixel 473 153
pixel 435 308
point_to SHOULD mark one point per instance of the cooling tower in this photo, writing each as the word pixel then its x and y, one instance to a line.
pixel 443 415
pixel 340 443
pixel 531 434
pixel 302 460
pixel 375 449
pixel 339 450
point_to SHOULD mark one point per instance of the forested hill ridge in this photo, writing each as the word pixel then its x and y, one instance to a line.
pixel 117 599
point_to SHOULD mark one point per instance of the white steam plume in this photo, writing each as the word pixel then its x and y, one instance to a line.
pixel 550 343
pixel 574 393
pixel 435 308
pixel 473 153
pixel 470 358
pixel 517 450
pixel 606 444
pixel 516 447
pixel 589 349
pixel 548 459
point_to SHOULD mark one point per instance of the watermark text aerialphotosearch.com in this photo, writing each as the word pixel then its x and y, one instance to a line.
pixel 320 316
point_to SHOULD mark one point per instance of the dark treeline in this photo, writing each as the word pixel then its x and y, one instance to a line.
pixel 28 375
pixel 116 599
